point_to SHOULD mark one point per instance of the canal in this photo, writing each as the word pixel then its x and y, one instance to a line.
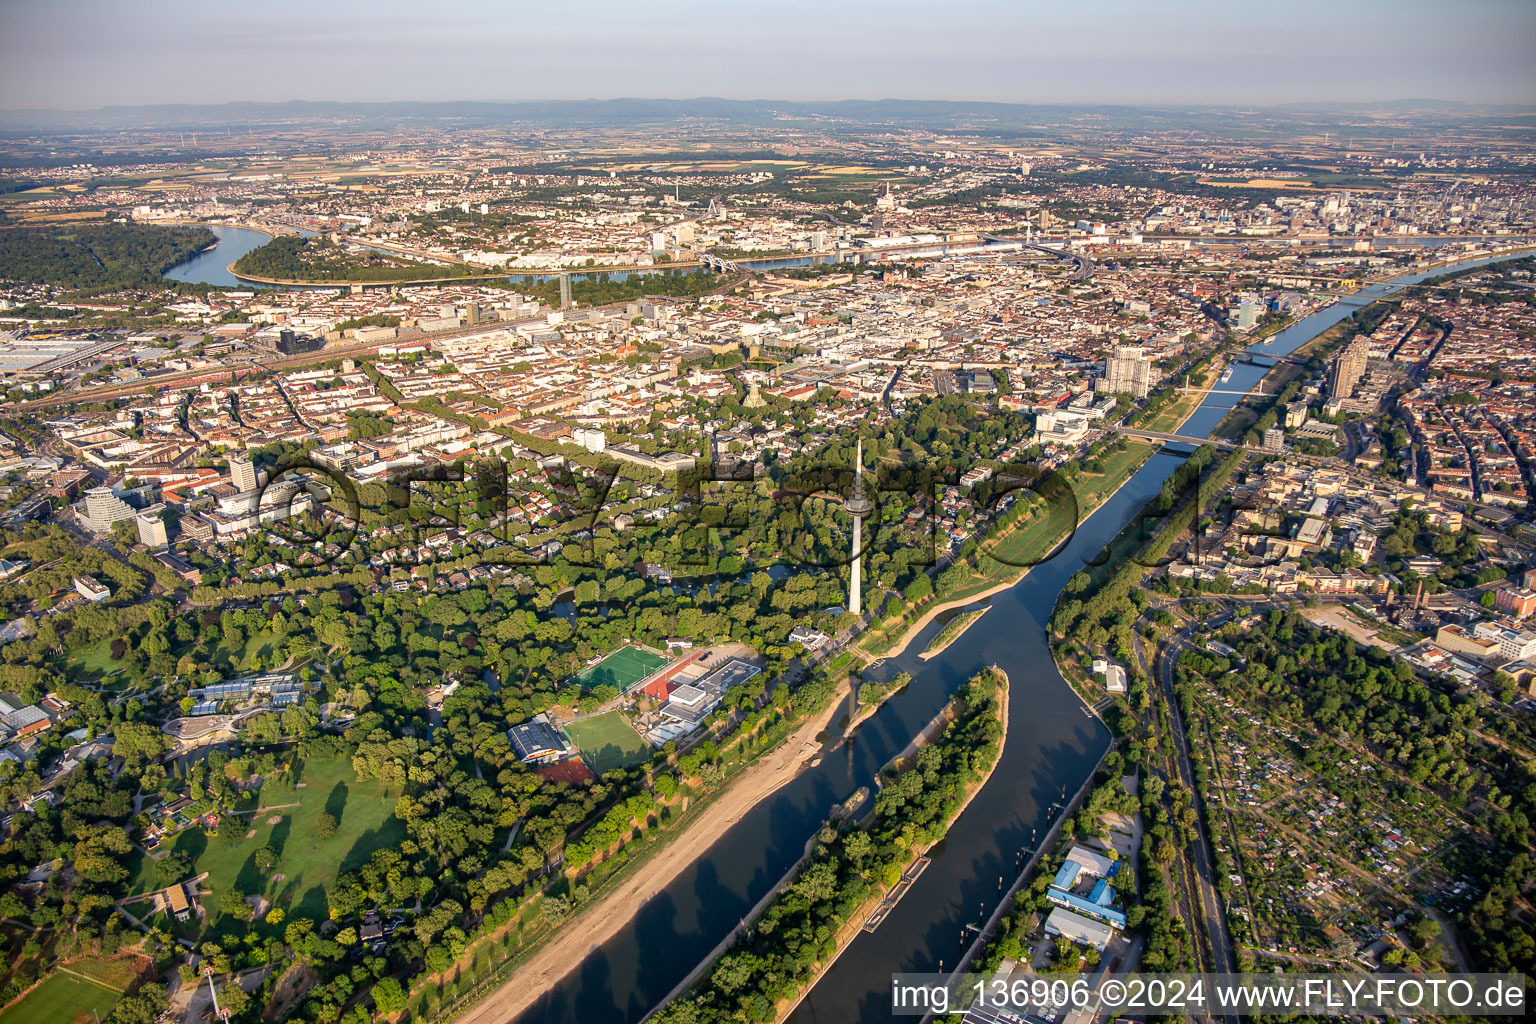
pixel 1052 745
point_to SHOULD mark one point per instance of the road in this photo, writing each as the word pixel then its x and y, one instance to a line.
pixel 1082 266
pixel 1210 902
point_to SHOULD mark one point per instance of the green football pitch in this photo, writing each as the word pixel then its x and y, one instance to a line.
pixel 607 742
pixel 63 998
pixel 623 668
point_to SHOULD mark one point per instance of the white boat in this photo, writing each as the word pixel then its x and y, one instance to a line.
pixel 1227 376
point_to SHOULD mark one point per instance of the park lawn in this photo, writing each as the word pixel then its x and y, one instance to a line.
pixel 1030 542
pixel 244 659
pixel 608 742
pixel 62 999
pixel 93 662
pixel 306 864
pixel 1114 469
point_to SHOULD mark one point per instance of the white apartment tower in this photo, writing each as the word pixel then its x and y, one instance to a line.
pixel 242 473
pixel 1128 371
pixel 151 523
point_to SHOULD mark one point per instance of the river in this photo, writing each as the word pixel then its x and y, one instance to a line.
pixel 211 266
pixel 1053 743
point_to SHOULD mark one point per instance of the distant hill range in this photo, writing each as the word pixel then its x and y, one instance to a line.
pixel 1014 117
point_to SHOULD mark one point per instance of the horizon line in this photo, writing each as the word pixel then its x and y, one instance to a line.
pixel 1154 104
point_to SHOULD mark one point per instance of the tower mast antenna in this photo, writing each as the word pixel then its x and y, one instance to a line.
pixel 858 506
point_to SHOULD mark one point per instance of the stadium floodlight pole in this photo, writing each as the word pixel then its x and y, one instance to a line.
pixel 217 1013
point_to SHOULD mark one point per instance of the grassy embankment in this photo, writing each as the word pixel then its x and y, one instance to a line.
pixel 849 930
pixel 492 957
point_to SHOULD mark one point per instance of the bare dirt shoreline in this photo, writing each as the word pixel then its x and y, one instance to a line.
pixel 605 917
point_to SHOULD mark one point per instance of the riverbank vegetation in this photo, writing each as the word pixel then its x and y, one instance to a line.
pixel 1033 523
pixel 599 289
pixel 517 929
pixel 795 934
pixel 872 694
pixel 1099 605
pixel 97 256
pixel 951 631
pixel 315 259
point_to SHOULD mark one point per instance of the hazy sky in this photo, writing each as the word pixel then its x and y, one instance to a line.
pixel 91 53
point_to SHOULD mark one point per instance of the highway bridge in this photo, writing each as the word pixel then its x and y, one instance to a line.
pixel 1221 391
pixel 1082 266
pixel 1162 437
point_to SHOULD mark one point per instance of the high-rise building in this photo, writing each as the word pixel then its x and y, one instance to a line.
pixel 1347 367
pixel 1128 371
pixel 1274 440
pixel 1247 312
pixel 103 508
pixel 471 314
pixel 1516 602
pixel 242 473
pixel 151 523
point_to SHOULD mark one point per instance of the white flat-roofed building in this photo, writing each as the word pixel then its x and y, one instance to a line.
pixel 1514 644
pixel 88 588
pixel 1091 863
pixel 151 523
pixel 1114 674
pixel 1077 928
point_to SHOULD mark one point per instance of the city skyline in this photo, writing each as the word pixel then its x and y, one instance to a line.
pixel 85 54
pixel 443 580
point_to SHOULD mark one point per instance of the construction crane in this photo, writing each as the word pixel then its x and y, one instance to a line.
pixel 773 363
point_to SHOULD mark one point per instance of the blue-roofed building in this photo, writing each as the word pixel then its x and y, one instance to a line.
pixel 1066 875
pixel 1088 908
pixel 230 689
pixel 1103 893
pixel 205 707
